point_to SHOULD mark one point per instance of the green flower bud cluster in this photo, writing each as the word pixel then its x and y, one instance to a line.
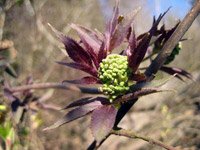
pixel 173 54
pixel 114 73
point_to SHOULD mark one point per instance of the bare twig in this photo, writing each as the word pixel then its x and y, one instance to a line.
pixel 173 40
pixel 55 85
pixel 48 106
pixel 131 134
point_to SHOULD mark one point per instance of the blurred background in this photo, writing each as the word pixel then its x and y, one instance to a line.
pixel 170 117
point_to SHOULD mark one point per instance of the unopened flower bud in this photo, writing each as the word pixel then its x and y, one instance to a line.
pixel 113 73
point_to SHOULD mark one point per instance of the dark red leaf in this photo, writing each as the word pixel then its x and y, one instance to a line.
pixel 79 102
pixel 121 30
pixel 90 40
pixel 153 30
pixel 75 114
pixel 84 80
pixel 103 120
pixel 178 71
pixel 83 67
pixel 110 29
pixel 165 34
pixel 87 100
pixel 75 51
pixel 132 40
pixel 139 52
pixel 88 37
pixel 102 52
pixel 114 21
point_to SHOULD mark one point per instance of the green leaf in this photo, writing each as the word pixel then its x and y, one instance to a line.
pixel 6 131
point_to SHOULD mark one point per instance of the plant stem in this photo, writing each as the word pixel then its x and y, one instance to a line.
pixel 133 135
pixel 56 86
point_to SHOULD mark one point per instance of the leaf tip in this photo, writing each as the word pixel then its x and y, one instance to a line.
pixel 58 34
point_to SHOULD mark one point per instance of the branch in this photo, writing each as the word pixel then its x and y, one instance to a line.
pixel 133 135
pixel 137 94
pixel 55 86
pixel 173 40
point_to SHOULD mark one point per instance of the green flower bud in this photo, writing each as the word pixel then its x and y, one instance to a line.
pixel 114 73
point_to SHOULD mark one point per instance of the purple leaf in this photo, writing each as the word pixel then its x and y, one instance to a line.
pixel 164 36
pixel 114 21
pixel 75 51
pixel 87 100
pixel 90 40
pixel 180 72
pixel 103 120
pixel 79 102
pixel 102 53
pixel 82 67
pixel 75 114
pixel 121 30
pixel 84 80
pixel 58 34
pixel 153 30
pixel 88 37
pixel 112 24
pixel 136 55
pixel 139 52
pixel 132 40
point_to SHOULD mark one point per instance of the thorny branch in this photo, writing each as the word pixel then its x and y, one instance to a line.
pixel 160 59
